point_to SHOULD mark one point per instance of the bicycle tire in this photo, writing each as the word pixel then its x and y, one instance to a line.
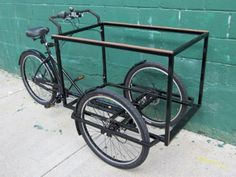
pixel 147 74
pixel 112 153
pixel 32 61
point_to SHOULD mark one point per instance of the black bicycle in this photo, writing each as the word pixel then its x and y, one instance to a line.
pixel 113 126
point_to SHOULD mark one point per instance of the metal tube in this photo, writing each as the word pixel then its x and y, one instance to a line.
pixel 104 65
pixel 183 121
pixel 112 132
pixel 189 43
pixel 69 78
pixel 61 79
pixel 72 82
pixel 175 97
pixel 168 100
pixel 80 29
pixel 116 45
pixel 203 69
pixel 155 28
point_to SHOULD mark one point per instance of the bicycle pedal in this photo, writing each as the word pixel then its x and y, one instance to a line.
pixel 81 77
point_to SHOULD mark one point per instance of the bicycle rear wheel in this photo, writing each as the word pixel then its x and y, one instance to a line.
pixel 152 77
pixel 112 128
pixel 37 77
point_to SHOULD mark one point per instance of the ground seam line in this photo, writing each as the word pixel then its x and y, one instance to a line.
pixel 13 93
pixel 67 158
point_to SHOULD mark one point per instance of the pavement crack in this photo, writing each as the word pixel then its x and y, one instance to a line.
pixel 61 162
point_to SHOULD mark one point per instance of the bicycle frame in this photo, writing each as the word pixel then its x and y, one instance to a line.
pixel 52 62
pixel 170 132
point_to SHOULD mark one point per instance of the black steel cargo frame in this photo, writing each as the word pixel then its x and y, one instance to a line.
pixel 170 54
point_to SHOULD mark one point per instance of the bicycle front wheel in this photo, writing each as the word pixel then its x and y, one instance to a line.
pixel 151 77
pixel 112 128
pixel 37 77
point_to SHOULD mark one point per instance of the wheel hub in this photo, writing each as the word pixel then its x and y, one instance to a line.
pixel 113 126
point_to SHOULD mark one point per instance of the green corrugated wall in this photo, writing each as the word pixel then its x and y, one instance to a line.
pixel 217 117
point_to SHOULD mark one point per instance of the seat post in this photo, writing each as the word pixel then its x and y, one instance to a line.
pixel 43 39
pixel 45 43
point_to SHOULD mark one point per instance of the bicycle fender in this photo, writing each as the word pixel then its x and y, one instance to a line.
pixel 31 50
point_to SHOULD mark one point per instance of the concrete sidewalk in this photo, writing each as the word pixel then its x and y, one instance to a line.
pixel 39 142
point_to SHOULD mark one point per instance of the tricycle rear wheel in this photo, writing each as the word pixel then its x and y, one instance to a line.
pixel 112 128
pixel 149 77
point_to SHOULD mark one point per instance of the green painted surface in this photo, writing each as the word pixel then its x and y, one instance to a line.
pixel 216 118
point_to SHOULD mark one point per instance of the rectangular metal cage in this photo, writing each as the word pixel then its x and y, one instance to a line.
pixel 170 131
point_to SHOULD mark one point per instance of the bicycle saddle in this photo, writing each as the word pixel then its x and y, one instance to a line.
pixel 37 32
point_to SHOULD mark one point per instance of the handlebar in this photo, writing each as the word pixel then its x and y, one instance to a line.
pixel 71 15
